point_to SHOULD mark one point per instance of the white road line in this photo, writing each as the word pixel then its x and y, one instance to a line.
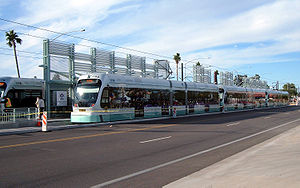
pixel 267 117
pixel 287 113
pixel 231 124
pixel 189 156
pixel 156 139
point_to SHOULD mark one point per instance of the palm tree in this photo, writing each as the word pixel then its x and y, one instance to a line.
pixel 177 58
pixel 12 39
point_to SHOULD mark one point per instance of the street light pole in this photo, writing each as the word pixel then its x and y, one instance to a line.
pixel 181 71
pixel 81 30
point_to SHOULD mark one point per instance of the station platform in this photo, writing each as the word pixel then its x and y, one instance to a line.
pixel 274 163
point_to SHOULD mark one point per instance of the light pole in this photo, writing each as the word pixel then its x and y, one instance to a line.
pixel 190 61
pixel 81 30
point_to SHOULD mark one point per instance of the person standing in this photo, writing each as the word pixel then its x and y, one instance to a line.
pixel 40 105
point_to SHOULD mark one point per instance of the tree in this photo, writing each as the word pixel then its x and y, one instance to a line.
pixel 239 80
pixel 198 64
pixel 291 88
pixel 257 77
pixel 177 58
pixel 13 39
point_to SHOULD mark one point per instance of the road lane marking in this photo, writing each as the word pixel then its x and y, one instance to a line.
pixel 188 156
pixel 156 139
pixel 287 113
pixel 231 124
pixel 267 117
pixel 86 136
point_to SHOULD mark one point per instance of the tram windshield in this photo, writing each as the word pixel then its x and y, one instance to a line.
pixel 2 88
pixel 86 92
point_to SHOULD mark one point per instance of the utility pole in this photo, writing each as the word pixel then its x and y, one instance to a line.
pixel 181 71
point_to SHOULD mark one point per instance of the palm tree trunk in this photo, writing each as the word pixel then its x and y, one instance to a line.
pixel 177 70
pixel 14 45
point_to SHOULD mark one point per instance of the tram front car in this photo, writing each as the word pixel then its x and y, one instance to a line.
pixel 86 108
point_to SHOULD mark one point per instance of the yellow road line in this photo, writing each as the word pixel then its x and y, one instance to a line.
pixel 86 136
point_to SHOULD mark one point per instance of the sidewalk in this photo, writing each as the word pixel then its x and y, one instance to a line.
pixel 30 126
pixel 273 163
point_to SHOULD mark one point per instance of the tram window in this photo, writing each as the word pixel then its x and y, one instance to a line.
pixel 202 98
pixel 179 98
pixel 153 98
pixel 234 98
pixel 165 98
pixel 213 98
pixel 192 97
pixel 113 97
pixel 104 98
pixel 23 98
pixel 119 97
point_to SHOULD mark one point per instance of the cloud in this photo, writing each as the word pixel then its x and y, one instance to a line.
pixel 193 28
pixel 274 21
pixel 70 16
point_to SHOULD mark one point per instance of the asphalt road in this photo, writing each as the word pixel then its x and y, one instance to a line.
pixel 146 154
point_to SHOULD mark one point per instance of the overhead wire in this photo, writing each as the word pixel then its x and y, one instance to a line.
pixel 22 51
pixel 21 56
pixel 81 38
pixel 89 40
pixel 103 43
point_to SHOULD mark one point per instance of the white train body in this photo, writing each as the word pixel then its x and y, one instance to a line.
pixel 111 97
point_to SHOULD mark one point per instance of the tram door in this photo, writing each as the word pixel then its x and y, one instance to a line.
pixel 139 109
pixel 139 104
pixel 266 99
pixel 222 99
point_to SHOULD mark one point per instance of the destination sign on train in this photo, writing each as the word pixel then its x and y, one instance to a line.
pixel 89 81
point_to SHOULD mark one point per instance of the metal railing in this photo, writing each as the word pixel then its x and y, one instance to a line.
pixel 14 115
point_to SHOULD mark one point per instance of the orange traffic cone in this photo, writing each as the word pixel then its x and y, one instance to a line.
pixel 39 122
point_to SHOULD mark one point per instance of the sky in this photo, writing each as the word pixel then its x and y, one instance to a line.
pixel 244 37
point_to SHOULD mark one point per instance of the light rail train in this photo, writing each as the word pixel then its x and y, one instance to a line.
pixel 111 97
pixel 21 92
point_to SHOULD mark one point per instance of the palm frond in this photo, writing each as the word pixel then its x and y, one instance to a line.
pixel 12 38
pixel 19 40
pixel 9 44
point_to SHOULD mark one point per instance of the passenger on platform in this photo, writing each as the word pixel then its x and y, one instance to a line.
pixel 40 105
